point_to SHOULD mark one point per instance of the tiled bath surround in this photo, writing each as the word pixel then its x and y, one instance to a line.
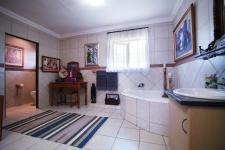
pixel 149 115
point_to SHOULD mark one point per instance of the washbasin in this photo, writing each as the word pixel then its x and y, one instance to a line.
pixel 202 93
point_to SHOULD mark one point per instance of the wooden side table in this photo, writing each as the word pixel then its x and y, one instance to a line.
pixel 70 85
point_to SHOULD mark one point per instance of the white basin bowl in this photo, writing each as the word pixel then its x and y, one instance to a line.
pixel 201 93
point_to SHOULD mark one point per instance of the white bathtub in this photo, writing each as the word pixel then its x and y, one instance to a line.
pixel 146 109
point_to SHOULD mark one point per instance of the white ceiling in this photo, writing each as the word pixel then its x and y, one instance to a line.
pixel 70 17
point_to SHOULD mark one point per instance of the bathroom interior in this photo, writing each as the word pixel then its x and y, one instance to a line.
pixel 21 82
pixel 97 75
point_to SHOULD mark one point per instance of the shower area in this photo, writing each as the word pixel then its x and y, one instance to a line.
pixel 20 74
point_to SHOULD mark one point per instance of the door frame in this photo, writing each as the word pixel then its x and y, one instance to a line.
pixel 36 69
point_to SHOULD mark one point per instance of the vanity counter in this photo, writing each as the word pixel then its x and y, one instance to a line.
pixel 196 124
pixel 189 101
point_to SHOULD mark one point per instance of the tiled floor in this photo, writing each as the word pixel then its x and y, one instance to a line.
pixel 115 134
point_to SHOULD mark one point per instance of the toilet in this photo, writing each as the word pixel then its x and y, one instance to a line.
pixel 33 95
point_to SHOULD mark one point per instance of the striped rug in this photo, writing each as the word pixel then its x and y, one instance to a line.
pixel 66 128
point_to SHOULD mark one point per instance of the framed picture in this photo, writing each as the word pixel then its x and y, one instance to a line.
pixel 50 64
pixel 184 35
pixel 14 56
pixel 91 54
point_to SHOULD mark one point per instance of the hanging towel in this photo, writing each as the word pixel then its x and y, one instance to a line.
pixel 112 81
pixel 101 80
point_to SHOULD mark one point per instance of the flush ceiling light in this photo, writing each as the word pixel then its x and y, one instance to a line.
pixel 95 2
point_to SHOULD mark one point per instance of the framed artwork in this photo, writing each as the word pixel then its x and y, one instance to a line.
pixel 14 56
pixel 50 64
pixel 184 35
pixel 91 54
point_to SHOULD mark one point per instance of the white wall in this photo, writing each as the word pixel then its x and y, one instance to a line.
pixel 48 46
pixel 160 41
pixel 192 74
pixel 161 51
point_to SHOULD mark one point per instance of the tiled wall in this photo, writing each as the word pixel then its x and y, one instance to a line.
pixel 161 50
pixel 22 96
pixel 48 46
pixel 192 74
pixel 160 42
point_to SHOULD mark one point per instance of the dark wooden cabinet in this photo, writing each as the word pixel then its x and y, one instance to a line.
pixel 1 115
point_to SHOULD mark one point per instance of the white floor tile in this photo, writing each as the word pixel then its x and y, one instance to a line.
pixel 10 138
pixel 114 122
pixel 127 124
pixel 104 114
pixel 122 144
pixel 151 138
pixel 22 144
pixel 109 110
pixel 150 146
pixel 116 116
pixel 44 145
pixel 130 134
pixel 66 147
pixel 99 142
pixel 108 130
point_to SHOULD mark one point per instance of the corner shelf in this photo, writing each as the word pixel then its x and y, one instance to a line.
pixel 213 53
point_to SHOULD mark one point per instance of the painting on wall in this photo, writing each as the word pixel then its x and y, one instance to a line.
pixel 184 35
pixel 50 64
pixel 14 56
pixel 91 54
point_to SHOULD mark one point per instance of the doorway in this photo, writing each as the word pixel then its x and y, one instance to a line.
pixel 21 77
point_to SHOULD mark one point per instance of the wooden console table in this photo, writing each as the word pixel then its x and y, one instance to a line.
pixel 70 85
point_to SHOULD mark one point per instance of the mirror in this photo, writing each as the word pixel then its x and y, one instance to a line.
pixel 219 18
pixel 73 69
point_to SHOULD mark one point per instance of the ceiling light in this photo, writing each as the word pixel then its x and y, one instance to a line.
pixel 95 2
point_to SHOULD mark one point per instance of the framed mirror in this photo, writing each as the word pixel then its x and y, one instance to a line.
pixel 73 69
pixel 219 18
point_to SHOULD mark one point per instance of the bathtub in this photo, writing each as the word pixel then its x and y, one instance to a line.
pixel 146 109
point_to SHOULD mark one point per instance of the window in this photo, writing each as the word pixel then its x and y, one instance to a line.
pixel 128 50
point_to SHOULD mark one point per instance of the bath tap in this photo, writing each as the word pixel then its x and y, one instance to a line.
pixel 141 85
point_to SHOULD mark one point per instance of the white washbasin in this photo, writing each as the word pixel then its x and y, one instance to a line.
pixel 201 93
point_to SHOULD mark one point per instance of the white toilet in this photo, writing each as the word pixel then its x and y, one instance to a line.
pixel 33 95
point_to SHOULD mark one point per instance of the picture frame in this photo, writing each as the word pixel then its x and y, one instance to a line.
pixel 50 64
pixel 91 51
pixel 184 35
pixel 14 56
